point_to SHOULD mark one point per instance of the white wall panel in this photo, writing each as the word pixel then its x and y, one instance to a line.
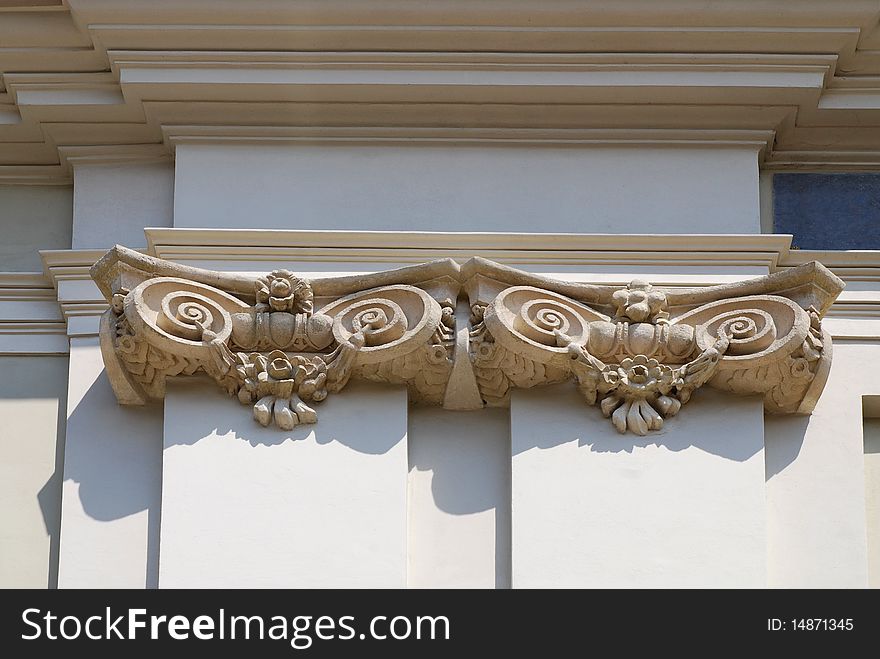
pixel 816 481
pixel 448 188
pixel 113 203
pixel 683 507
pixel 321 506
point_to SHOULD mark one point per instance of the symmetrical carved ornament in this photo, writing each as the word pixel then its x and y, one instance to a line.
pixel 281 343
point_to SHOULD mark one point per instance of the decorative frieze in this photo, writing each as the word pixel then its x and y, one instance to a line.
pixel 281 343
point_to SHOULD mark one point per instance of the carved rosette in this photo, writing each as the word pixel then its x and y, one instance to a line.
pixel 637 352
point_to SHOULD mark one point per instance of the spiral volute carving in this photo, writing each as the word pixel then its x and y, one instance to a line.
pixel 380 321
pixel 748 331
pixel 387 320
pixel 171 311
pixel 771 325
pixel 529 319
pixel 188 315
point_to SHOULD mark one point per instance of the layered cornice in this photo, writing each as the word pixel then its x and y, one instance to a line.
pixel 666 260
pixel 800 86
pixel 30 320
pixel 463 336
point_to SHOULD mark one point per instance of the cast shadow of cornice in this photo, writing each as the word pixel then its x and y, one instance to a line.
pixel 784 439
pixel 462 450
pixel 114 455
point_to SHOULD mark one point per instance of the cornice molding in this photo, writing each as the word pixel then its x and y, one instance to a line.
pixel 24 280
pixel 91 73
pixel 865 160
pixel 164 241
pixel 756 140
pixel 701 260
pixel 78 297
pixel 30 321
pixel 34 175
pixel 113 154
pixel 282 343
pixel 499 60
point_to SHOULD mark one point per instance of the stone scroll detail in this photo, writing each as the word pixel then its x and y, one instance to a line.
pixel 281 343
pixel 277 354
pixel 641 366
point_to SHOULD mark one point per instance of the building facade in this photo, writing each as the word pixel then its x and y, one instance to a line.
pixel 439 294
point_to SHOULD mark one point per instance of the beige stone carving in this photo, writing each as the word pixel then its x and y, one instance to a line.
pixel 282 343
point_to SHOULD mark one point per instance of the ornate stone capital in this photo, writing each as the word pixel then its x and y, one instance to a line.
pixel 282 343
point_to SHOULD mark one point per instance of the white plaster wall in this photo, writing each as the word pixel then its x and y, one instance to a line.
pixel 681 508
pixel 32 394
pixel 321 506
pixel 872 498
pixel 112 482
pixel 461 188
pixel 816 530
pixel 33 217
pixel 459 498
pixel 113 203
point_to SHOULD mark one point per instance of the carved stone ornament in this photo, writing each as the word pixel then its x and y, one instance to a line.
pixel 281 343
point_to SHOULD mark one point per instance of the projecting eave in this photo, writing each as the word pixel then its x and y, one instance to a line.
pixel 803 90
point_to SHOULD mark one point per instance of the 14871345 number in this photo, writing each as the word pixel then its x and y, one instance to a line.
pixel 821 624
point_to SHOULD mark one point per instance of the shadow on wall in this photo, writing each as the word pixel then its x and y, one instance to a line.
pixel 107 452
pixel 468 457
pixel 42 380
pixel 784 439
pixel 115 452
pixel 114 455
pixel 463 451
pixel 708 422
pixel 341 418
pixel 49 500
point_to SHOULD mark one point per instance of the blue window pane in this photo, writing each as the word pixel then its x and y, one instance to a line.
pixel 828 211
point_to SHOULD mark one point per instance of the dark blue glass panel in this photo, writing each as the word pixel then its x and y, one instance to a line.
pixel 828 211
